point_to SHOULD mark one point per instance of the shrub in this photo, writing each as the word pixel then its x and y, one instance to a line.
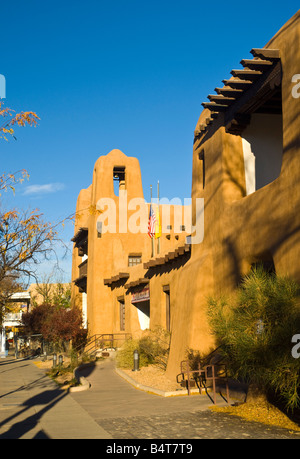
pixel 124 358
pixel 254 329
pixel 194 358
pixel 153 348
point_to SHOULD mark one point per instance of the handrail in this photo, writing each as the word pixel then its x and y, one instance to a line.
pixel 204 373
pixel 103 340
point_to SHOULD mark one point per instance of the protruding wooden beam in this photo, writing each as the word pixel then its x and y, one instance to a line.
pixel 246 74
pixel 214 107
pixel 256 64
pixel 229 92
pixel 264 53
pixel 237 83
pixel 220 99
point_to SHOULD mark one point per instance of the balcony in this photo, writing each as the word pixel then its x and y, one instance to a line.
pixel 81 241
pixel 81 281
pixel 83 268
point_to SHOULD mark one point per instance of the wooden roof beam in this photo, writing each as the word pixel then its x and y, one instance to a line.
pixel 256 64
pixel 244 74
pixel 237 83
pixel 212 106
pixel 229 92
pixel 220 99
pixel 264 53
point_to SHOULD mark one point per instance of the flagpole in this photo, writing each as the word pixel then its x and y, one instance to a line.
pixel 152 239
pixel 158 241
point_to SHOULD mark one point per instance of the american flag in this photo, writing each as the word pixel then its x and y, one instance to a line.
pixel 151 223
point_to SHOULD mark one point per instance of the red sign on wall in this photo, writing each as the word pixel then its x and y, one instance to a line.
pixel 144 295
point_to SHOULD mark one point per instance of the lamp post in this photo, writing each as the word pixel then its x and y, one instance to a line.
pixel 136 361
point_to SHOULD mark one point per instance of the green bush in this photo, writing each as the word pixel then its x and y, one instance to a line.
pixel 124 358
pixel 255 328
pixel 153 348
pixel 194 358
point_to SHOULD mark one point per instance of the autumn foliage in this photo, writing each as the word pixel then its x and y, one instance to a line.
pixel 56 324
pixel 24 239
pixel 12 119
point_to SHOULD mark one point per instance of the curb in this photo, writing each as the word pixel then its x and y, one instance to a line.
pixel 84 384
pixel 152 390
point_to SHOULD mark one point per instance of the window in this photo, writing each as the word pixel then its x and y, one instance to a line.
pixel 134 260
pixel 166 290
pixel 263 150
pixel 202 158
pixel 119 179
pixel 122 313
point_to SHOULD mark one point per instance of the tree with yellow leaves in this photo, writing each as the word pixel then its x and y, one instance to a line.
pixel 25 239
pixel 12 119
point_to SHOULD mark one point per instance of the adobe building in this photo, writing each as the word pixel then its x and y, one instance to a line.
pixel 246 168
pixel 112 245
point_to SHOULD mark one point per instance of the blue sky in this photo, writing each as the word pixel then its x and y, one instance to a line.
pixel 125 74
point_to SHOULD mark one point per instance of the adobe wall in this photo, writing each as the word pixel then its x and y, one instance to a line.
pixel 240 229
pixel 81 220
pixel 108 254
pixel 166 274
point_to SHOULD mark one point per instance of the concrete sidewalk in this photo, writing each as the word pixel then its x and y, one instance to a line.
pixel 111 396
pixel 129 413
pixel 32 406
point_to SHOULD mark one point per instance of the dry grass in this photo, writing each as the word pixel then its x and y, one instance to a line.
pixel 64 380
pixel 264 413
pixel 261 412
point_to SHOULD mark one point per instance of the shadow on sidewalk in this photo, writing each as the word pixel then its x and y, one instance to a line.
pixel 42 402
pixel 49 398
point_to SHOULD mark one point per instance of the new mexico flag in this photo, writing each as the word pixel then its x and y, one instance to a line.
pixel 157 224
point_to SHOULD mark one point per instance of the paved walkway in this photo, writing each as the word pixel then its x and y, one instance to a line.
pixel 128 413
pixel 33 407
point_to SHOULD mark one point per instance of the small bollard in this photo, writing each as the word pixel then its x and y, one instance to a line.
pixel 60 360
pixel 54 360
pixel 136 361
pixel 45 357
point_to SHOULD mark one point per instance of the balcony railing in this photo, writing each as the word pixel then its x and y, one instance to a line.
pixel 83 268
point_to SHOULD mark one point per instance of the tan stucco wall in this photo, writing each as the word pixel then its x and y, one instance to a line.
pixel 108 255
pixel 238 229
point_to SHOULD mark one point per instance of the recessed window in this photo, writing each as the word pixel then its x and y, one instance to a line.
pixel 134 260
pixel 122 313
pixel 166 290
pixel 202 158
pixel 119 179
pixel 263 150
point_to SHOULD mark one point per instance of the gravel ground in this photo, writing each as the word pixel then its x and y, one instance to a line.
pixel 153 376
